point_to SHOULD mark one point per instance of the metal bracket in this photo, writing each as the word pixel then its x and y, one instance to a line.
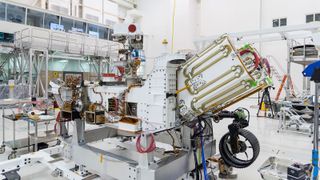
pixel 12 175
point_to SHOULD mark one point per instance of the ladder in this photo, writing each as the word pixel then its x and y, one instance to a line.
pixel 281 78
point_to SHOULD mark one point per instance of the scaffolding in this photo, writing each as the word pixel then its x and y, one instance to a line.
pixel 27 61
pixel 286 33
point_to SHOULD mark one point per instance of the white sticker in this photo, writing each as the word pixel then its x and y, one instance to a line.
pixel 197 82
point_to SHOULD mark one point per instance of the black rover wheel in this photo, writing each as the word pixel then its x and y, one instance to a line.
pixel 249 149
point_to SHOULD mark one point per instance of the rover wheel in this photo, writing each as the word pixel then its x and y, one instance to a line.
pixel 249 149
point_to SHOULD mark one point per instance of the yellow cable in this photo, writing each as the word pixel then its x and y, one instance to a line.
pixel 101 158
pixel 182 89
pixel 172 30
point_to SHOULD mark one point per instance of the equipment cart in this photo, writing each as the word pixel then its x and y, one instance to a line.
pixel 33 136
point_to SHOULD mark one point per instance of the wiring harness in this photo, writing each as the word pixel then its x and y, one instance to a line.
pixel 150 148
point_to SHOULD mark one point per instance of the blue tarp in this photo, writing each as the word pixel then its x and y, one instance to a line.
pixel 309 70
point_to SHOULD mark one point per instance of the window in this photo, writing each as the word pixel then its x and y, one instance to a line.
pixel 92 27
pixel 312 17
pixel 317 17
pixel 283 21
pixel 2 11
pixel 35 18
pixel 50 19
pixel 103 32
pixel 279 22
pixel 6 37
pixel 93 30
pixel 309 18
pixel 16 14
pixel 67 23
pixel 79 26
pixel 275 23
pixel 110 34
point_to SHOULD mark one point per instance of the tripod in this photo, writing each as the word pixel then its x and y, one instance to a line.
pixel 266 94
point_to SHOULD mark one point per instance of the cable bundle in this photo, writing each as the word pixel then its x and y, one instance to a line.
pixel 148 149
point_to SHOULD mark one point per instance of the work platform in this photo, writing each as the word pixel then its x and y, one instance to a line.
pixel 73 43
pixel 26 60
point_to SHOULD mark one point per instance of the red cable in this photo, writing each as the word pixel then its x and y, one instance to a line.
pixel 256 57
pixel 58 123
pixel 116 106
pixel 149 149
pixel 267 64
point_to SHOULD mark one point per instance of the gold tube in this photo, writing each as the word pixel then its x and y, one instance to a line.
pixel 182 89
pixel 198 98
pixel 220 85
pixel 214 80
pixel 220 77
pixel 221 49
pixel 225 54
pixel 194 92
pixel 241 97
pixel 214 89
pixel 242 90
pixel 197 56
pixel 239 58
pixel 221 94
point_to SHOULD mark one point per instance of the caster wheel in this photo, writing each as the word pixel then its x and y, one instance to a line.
pixel 2 149
pixel 56 173
pixel 13 155
pixel 58 142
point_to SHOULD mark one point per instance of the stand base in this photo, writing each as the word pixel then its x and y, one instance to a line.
pixel 225 171
pixel 228 176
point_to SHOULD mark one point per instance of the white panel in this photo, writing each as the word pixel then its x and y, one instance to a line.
pixel 93 3
pixel 155 109
pixel 111 11
pixel 219 17
pixel 59 6
pixel 92 8
pixel 156 24
pixel 110 7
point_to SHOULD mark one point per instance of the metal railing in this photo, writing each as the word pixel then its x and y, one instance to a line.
pixel 73 43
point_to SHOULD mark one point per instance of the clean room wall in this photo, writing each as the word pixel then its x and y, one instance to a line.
pixel 156 24
pixel 295 12
pixel 219 17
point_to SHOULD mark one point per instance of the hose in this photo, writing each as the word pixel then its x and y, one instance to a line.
pixel 256 56
pixel 203 158
pixel 58 123
pixel 150 148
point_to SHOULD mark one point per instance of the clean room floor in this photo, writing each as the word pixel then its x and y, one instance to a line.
pixel 287 145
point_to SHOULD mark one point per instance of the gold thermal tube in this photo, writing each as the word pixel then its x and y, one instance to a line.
pixel 225 54
pixel 193 59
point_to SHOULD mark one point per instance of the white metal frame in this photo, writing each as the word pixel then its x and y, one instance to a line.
pixel 274 34
pixel 294 120
pixel 72 43
pixel 285 33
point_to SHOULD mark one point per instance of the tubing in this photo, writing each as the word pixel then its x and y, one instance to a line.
pixel 204 165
